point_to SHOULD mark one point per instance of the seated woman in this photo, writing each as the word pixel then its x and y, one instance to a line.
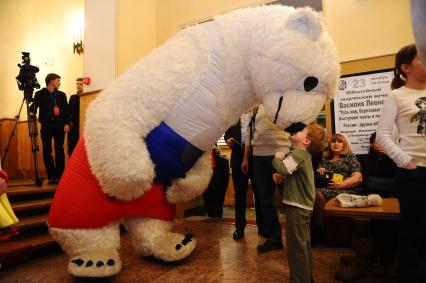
pixel 379 171
pixel 345 175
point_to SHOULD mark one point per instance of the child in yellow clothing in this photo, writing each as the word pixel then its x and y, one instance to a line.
pixel 7 217
pixel 295 169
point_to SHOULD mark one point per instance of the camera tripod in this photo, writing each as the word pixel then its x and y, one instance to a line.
pixel 33 133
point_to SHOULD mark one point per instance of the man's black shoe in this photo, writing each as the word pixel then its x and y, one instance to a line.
pixel 269 245
pixel 238 235
pixel 51 181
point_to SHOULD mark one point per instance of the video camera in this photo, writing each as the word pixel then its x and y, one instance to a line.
pixel 26 78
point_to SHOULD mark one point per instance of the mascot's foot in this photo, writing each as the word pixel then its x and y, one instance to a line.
pixel 173 246
pixel 100 263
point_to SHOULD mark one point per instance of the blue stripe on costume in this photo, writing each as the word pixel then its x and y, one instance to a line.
pixel 172 155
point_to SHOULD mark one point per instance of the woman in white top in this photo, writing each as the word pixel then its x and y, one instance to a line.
pixel 405 107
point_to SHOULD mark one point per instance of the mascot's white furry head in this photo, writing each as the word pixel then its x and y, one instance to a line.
pixel 147 136
pixel 284 52
pixel 418 18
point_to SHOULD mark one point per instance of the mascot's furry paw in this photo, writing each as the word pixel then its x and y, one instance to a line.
pixel 97 263
pixel 194 184
pixel 348 200
pixel 173 246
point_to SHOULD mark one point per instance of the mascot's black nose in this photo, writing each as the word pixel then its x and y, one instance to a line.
pixel 295 127
pixel 310 83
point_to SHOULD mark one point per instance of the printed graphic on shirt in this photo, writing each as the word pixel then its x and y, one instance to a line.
pixel 420 116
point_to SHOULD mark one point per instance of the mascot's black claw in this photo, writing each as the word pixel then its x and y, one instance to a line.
pixel 187 239
pixel 78 261
pixel 89 263
pixel 110 262
pixel 99 264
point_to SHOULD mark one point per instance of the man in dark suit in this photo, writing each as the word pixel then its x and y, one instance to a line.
pixel 214 196
pixel 234 139
pixel 74 103
pixel 54 119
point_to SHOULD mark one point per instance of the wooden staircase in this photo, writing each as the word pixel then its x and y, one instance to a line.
pixel 31 206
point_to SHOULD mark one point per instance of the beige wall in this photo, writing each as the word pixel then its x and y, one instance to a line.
pixel 45 29
pixel 368 28
pixel 173 15
pixel 100 43
pixel 144 25
pixel 136 31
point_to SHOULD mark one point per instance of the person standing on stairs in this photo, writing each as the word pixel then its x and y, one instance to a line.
pixel 54 119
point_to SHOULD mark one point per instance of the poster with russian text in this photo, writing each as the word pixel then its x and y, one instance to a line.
pixel 358 104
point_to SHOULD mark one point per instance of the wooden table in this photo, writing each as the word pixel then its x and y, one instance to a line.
pixel 359 267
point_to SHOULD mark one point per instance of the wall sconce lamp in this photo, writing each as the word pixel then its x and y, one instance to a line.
pixel 78 31
pixel 78 47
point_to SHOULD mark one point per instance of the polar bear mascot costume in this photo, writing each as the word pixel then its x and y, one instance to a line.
pixel 147 136
pixel 418 19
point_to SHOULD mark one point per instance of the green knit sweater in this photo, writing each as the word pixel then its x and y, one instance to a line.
pixel 299 186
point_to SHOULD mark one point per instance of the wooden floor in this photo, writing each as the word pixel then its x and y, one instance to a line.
pixel 218 258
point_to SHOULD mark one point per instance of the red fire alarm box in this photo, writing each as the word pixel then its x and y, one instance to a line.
pixel 86 80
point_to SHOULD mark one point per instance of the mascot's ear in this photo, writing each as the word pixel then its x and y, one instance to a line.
pixel 307 21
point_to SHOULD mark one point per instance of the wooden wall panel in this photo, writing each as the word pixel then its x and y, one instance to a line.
pixel 6 126
pixel 85 100
pixel 19 161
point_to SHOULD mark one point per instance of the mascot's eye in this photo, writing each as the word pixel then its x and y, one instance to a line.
pixel 310 83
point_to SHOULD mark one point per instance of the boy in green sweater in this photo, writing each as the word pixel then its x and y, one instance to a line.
pixel 295 169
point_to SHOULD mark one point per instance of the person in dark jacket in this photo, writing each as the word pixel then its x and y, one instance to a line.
pixel 74 133
pixel 214 196
pixel 54 119
pixel 234 138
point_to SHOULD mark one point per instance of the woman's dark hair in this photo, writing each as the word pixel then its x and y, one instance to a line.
pixel 404 56
pixel 371 151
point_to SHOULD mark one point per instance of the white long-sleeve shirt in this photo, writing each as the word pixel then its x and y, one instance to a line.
pixel 406 108
pixel 267 138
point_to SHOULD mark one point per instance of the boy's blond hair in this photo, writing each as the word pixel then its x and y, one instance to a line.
pixel 317 135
